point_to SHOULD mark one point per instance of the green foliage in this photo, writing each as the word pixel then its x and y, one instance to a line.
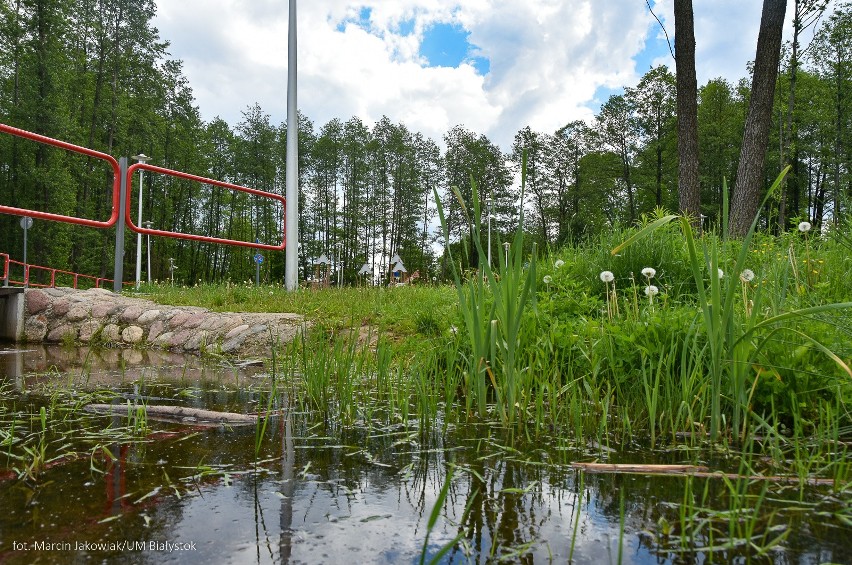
pixel 102 79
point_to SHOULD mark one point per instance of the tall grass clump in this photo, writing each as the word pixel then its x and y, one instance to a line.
pixel 492 308
pixel 735 338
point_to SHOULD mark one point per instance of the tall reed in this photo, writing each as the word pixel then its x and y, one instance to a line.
pixel 492 305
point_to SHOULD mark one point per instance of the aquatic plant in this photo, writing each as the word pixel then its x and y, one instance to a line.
pixel 492 308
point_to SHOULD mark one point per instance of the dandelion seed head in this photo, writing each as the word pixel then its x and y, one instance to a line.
pixel 651 290
pixel 548 279
pixel 804 227
pixel 747 275
pixel 607 276
pixel 649 272
pixel 721 273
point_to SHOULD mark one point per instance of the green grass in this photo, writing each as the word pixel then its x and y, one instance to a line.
pixel 724 357
pixel 414 310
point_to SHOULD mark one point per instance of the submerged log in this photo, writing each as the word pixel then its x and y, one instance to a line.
pixel 692 470
pixel 639 468
pixel 182 414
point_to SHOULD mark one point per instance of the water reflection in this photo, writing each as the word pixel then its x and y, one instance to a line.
pixel 316 492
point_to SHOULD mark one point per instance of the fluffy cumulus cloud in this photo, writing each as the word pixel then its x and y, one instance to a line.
pixel 540 63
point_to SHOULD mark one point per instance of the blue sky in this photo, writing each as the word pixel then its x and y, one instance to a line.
pixel 490 65
pixel 441 44
pixel 448 45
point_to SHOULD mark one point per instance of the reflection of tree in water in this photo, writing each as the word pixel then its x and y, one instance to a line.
pixel 515 502
pixel 499 517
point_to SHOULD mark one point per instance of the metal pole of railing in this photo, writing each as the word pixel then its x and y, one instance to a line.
pixel 118 266
pixel 149 224
pixel 26 222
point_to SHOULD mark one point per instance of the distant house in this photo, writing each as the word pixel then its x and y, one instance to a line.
pixel 322 272
pixel 366 269
pixel 397 272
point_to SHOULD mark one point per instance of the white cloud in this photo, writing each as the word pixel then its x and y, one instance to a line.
pixel 547 58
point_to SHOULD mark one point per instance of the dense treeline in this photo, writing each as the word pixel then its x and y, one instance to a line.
pixel 95 73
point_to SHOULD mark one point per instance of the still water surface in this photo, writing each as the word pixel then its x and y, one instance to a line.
pixel 313 491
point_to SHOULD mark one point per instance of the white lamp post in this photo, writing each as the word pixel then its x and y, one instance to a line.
pixel 142 158
pixel 291 253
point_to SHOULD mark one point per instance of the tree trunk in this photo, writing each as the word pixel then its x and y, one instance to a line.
pixel 747 191
pixel 689 192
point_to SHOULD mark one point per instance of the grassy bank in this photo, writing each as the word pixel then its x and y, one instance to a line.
pixel 633 356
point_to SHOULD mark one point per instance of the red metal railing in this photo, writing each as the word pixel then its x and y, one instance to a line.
pixel 75 278
pixel 116 181
pixel 154 169
pixel 116 198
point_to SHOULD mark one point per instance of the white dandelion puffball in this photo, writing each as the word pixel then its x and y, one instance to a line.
pixel 649 272
pixel 721 273
pixel 651 290
pixel 747 275
pixel 547 279
pixel 804 227
pixel 607 276
pixel 559 263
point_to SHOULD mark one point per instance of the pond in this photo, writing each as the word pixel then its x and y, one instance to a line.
pixel 300 487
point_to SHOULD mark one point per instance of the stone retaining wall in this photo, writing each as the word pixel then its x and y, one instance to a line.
pixel 58 315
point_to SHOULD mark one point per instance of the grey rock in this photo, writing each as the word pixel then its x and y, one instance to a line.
pixel 236 331
pixel 178 319
pixel 36 301
pixel 163 340
pixel 148 316
pixel 88 330
pixel 180 337
pixel 132 334
pixel 155 330
pixel 130 314
pixel 195 342
pixel 104 309
pixel 233 344
pixel 111 333
pixel 61 306
pixel 195 320
pixel 77 312
pixel 35 328
pixel 65 331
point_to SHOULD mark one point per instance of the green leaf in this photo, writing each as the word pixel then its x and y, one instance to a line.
pixel 644 232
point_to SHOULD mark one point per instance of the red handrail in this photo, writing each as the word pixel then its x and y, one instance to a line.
pixel 154 169
pixel 116 193
pixel 98 281
pixel 116 181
